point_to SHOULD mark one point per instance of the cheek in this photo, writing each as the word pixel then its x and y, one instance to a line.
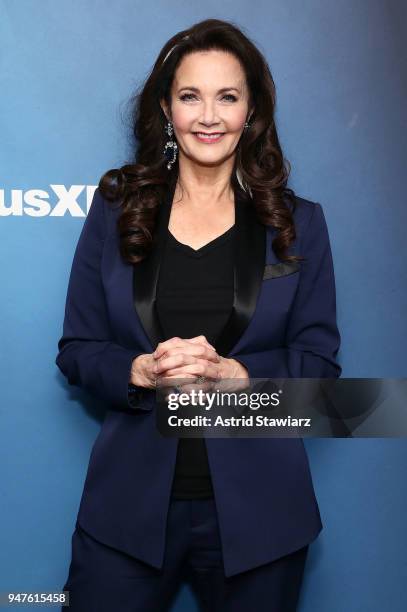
pixel 183 120
pixel 236 121
pixel 235 118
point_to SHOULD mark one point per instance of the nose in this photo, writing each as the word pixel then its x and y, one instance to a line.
pixel 209 116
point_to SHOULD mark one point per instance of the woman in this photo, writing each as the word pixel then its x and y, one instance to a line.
pixel 197 263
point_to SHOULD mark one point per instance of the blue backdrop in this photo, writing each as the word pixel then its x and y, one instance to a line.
pixel 67 71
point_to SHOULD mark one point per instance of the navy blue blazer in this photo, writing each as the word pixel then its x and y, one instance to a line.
pixel 283 325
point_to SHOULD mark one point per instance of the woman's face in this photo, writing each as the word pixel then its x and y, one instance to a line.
pixel 209 94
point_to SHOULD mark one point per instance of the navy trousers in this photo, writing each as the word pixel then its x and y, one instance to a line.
pixel 103 579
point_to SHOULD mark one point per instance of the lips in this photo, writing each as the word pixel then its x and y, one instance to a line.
pixel 208 136
pixel 208 133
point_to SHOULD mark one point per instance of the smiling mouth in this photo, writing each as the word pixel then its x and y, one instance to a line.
pixel 208 133
pixel 209 137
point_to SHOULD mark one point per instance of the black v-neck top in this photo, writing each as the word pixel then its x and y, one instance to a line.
pixel 195 296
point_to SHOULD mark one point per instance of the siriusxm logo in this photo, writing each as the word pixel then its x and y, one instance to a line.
pixel 40 203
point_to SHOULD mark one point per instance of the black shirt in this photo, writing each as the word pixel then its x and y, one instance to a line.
pixel 195 296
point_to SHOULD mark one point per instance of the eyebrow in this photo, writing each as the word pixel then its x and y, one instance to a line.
pixel 219 91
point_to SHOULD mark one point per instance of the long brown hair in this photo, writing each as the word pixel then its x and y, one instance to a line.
pixel 142 183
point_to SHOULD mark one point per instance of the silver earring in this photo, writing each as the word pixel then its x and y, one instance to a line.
pixel 247 124
pixel 170 144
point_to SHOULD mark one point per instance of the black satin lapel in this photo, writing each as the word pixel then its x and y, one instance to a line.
pixel 250 257
pixel 145 276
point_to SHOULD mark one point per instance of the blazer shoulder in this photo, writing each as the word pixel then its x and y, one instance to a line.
pixel 303 209
pixel 309 221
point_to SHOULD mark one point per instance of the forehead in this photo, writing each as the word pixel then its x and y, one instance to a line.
pixel 211 69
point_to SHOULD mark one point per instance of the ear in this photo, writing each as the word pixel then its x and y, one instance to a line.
pixel 165 109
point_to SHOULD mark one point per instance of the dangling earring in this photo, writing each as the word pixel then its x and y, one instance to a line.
pixel 247 124
pixel 170 144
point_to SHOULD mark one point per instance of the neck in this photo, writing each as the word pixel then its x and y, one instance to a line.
pixel 204 186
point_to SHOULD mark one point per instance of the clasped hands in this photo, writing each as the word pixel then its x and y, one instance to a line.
pixel 185 358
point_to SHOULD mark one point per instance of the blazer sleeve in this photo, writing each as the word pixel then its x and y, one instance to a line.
pixel 312 336
pixel 88 355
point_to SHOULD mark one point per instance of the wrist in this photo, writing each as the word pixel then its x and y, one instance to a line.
pixel 240 371
pixel 231 368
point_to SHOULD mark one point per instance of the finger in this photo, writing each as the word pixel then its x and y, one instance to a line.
pixel 162 347
pixel 164 382
pixel 201 340
pixel 210 351
pixel 186 382
pixel 172 361
pixel 197 350
pixel 204 386
pixel 201 367
pixel 177 342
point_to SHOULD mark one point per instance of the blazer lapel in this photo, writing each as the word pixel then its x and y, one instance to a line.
pixel 250 256
pixel 145 276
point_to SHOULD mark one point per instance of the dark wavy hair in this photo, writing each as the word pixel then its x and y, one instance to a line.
pixel 142 184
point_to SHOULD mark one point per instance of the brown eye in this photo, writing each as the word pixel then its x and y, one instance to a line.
pixel 188 96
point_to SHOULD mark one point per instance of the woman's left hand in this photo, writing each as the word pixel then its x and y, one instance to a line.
pixel 215 370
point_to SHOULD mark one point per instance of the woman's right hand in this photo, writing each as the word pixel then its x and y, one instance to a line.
pixel 142 369
pixel 142 374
